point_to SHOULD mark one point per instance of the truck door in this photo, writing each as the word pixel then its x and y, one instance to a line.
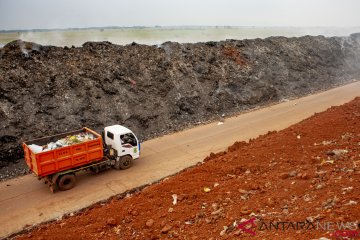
pixel 129 145
pixel 109 139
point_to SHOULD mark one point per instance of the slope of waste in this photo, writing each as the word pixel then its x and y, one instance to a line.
pixel 298 183
pixel 157 89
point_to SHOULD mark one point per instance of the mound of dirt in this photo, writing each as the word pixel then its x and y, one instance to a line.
pixel 299 183
pixel 156 89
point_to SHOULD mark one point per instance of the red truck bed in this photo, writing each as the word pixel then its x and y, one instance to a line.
pixel 64 158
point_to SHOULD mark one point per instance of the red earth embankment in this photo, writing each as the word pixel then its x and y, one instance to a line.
pixel 292 183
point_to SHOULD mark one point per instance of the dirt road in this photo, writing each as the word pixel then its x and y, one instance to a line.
pixel 25 201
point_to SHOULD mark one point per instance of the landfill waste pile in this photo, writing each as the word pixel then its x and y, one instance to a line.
pixel 63 142
pixel 299 183
pixel 158 89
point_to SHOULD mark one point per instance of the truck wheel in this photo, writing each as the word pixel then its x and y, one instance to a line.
pixel 66 182
pixel 124 162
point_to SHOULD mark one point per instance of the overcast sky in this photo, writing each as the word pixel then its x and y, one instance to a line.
pixel 38 14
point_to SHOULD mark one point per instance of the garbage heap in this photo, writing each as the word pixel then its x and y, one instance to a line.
pixel 63 142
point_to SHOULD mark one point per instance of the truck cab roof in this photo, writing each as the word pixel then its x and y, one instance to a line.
pixel 117 129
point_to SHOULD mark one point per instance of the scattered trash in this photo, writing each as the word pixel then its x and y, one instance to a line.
pixel 324 143
pixel 310 219
pixel 174 196
pixel 306 198
pixel 252 214
pixel 117 229
pixel 346 136
pixel 315 218
pixel 319 186
pixel 351 202
pixel 347 189
pixel 293 173
pixel 215 206
pixel 298 136
pixel 217 211
pixel 331 161
pixel 337 152
pixel 220 123
pixel 216 184
pixel 222 233
pixel 327 142
pixel 244 197
pixel 329 203
pixel 206 189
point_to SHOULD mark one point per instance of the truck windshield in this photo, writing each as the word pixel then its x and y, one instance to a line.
pixel 128 138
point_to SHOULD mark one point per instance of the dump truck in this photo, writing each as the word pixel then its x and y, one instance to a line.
pixel 56 159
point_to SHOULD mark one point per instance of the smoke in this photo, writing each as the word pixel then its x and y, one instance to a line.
pixel 158 35
pixel 55 38
pixel 23 49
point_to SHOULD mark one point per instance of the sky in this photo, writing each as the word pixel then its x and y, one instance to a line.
pixel 48 14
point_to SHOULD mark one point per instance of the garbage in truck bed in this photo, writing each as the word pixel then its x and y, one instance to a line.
pixel 63 142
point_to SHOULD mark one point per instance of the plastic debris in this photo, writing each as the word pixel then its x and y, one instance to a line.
pixel 206 189
pixel 63 142
pixel 331 161
pixel 347 189
pixel 220 123
pixel 51 146
pixel 351 202
pixel 222 233
pixel 337 152
pixel 174 196
pixel 35 148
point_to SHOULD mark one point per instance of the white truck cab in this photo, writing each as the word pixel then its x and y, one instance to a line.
pixel 124 142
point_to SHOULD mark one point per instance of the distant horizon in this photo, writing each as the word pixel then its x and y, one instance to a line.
pixel 65 14
pixel 171 26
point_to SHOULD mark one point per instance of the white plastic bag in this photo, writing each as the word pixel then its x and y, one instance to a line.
pixel 35 148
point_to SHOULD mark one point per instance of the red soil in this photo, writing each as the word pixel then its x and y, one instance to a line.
pixel 235 55
pixel 293 175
